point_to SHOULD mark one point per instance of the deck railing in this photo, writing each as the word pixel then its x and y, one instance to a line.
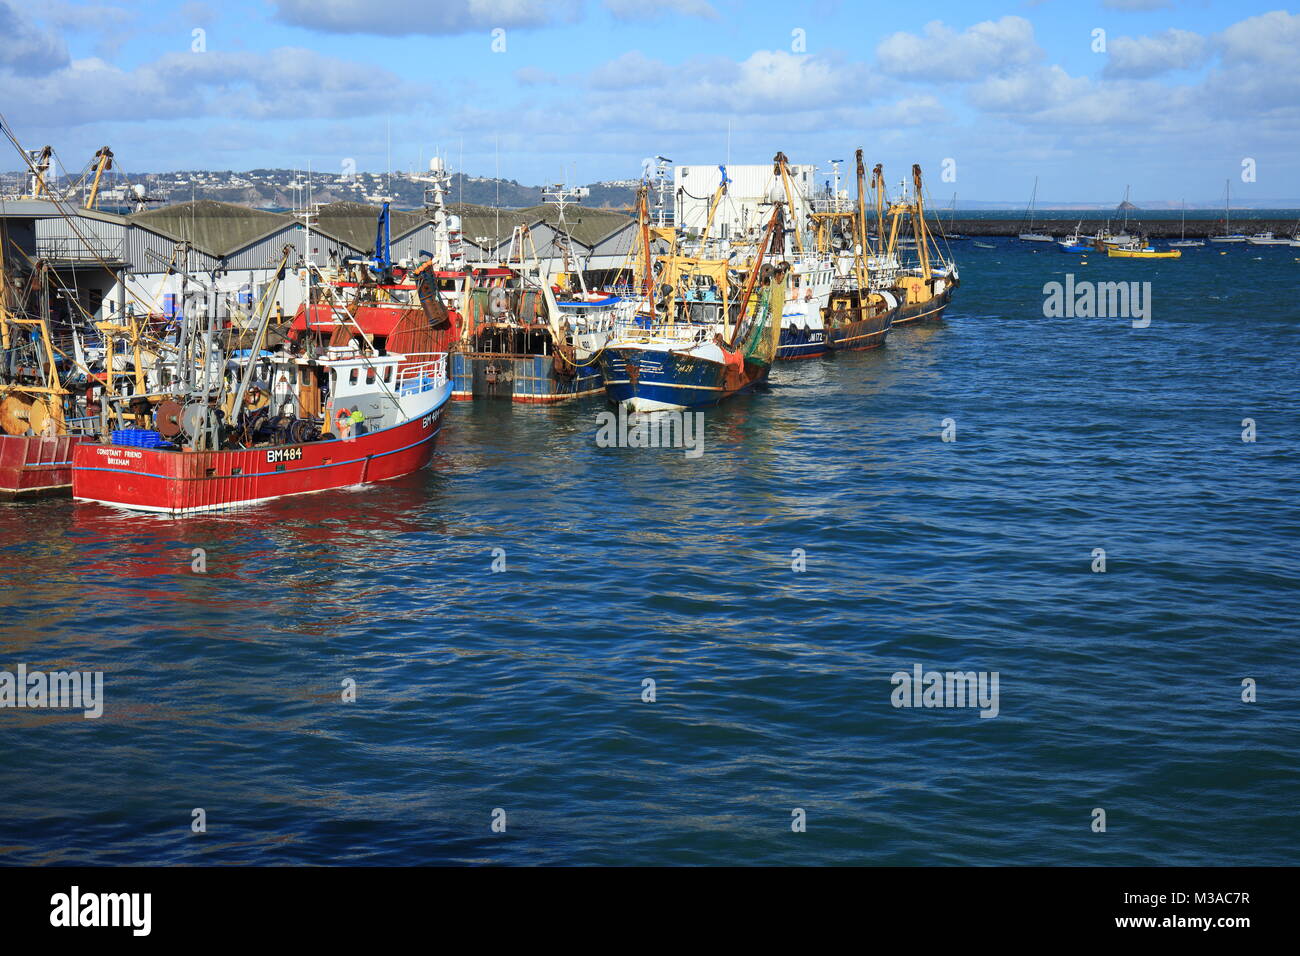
pixel 421 376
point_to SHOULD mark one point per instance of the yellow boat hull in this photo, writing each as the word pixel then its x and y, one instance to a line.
pixel 1139 254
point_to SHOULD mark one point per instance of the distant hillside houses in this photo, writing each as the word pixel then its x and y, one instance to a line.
pixel 283 189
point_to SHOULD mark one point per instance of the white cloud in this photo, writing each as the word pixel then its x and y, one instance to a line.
pixel 1155 54
pixel 1029 90
pixel 766 82
pixel 24 47
pixel 1136 4
pixel 921 110
pixel 406 17
pixel 535 76
pixel 941 53
pixel 1270 39
pixel 654 9
pixel 1258 75
pixel 286 83
pixel 632 70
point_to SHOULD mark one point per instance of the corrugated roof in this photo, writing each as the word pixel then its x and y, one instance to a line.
pixel 221 228
pixel 352 223
pixel 477 221
pixel 587 226
pixel 217 228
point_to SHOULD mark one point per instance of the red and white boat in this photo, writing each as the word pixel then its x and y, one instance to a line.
pixel 400 399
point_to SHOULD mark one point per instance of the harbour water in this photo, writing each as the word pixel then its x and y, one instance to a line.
pixel 521 689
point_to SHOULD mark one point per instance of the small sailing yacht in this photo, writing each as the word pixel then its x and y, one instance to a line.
pixel 1227 236
pixel 1183 242
pixel 1029 235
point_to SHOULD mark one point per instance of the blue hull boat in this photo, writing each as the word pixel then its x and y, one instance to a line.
pixel 801 343
pixel 657 379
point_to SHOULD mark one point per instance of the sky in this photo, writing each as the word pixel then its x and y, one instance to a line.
pixel 1090 96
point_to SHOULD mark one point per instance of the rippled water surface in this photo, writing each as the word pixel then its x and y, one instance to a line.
pixel 522 690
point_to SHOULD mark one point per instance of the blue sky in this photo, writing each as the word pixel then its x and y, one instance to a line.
pixel 584 89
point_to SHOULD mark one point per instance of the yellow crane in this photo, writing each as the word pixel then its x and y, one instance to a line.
pixel 40 163
pixel 103 163
pixel 782 167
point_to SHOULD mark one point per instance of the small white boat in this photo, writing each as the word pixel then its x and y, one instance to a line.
pixel 1183 242
pixel 1226 236
pixel 1029 235
pixel 1266 239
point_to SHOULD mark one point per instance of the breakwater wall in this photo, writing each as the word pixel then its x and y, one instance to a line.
pixel 1154 228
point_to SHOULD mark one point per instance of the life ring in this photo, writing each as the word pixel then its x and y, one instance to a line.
pixel 344 422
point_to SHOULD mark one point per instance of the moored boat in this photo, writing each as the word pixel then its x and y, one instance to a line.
pixel 1147 253
pixel 519 343
pixel 1226 236
pixel 856 321
pixel 219 428
pixel 1182 242
pixel 1029 234
pixel 400 402
pixel 36 466
pixel 1267 239
pixel 924 287
pixel 803 331
pixel 672 364
pixel 36 442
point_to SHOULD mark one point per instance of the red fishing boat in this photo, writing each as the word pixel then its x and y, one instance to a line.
pixel 35 466
pixel 258 424
pixel 381 418
pixel 35 443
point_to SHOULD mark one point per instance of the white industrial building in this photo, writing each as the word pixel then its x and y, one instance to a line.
pixel 750 194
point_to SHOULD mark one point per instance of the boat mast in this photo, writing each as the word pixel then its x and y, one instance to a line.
pixel 782 168
pixel 918 225
pixel 264 320
pixel 860 227
pixel 103 162
pixel 643 228
pixel 878 184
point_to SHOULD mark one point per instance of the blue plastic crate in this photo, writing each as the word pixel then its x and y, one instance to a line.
pixel 138 438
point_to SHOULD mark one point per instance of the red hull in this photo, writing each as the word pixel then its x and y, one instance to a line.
pixel 181 482
pixel 34 467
